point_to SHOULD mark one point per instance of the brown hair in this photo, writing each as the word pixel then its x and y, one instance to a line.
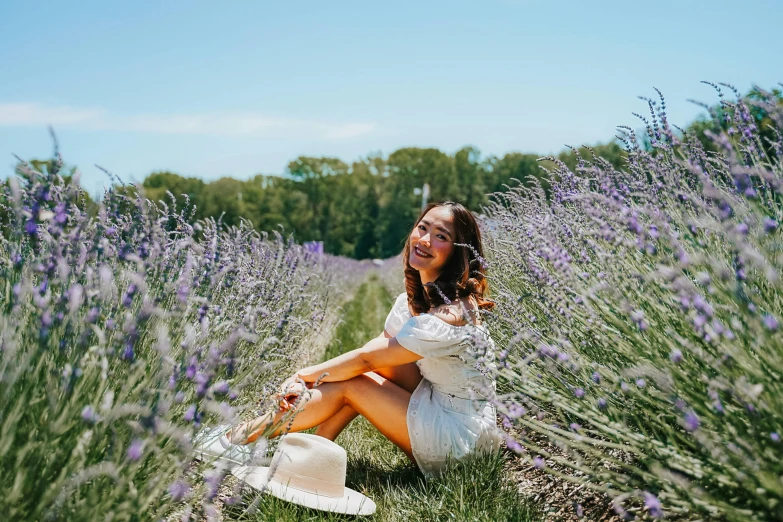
pixel 463 274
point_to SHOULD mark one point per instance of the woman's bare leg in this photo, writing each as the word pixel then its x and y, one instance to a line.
pixel 379 400
pixel 406 376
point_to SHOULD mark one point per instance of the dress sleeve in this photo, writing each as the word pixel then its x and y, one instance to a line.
pixel 429 336
pixel 398 315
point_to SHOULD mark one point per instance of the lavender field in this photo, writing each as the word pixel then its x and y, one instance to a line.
pixel 638 329
pixel 121 334
pixel 639 312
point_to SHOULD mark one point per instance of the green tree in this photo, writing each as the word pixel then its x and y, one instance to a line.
pixel 158 183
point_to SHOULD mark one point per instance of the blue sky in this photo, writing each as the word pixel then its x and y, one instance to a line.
pixel 211 89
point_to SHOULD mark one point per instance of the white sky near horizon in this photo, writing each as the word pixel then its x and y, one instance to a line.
pixel 242 88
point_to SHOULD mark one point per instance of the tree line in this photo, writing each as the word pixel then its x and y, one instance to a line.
pixel 363 209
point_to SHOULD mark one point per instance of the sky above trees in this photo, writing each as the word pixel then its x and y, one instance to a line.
pixel 209 90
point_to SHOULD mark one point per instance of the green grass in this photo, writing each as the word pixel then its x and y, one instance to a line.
pixel 478 490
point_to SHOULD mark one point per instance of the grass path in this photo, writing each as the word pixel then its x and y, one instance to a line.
pixel 478 491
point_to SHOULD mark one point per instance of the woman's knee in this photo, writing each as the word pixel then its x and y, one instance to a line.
pixel 355 388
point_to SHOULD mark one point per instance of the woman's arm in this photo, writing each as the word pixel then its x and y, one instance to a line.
pixel 381 352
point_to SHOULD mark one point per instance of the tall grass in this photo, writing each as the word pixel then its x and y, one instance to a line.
pixel 640 314
pixel 120 335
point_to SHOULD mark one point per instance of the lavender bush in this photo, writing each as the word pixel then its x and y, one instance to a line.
pixel 121 334
pixel 640 311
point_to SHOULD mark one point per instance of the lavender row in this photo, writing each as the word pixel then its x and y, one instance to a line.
pixel 122 333
pixel 639 312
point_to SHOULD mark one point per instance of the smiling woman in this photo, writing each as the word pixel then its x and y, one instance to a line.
pixel 418 382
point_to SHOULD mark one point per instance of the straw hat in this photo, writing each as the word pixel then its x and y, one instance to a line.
pixel 308 470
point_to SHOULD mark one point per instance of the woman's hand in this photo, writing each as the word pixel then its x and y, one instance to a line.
pixel 290 391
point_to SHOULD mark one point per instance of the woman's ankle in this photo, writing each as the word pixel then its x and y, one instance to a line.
pixel 249 432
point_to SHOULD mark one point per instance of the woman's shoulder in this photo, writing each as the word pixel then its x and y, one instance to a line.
pixel 460 312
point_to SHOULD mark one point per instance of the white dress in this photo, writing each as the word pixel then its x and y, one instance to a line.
pixel 448 415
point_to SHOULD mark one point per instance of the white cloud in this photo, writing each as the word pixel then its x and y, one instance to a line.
pixel 205 124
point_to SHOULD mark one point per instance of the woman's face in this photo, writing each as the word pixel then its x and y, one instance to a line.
pixel 432 242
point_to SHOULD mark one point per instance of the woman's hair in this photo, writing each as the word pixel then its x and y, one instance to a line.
pixel 463 274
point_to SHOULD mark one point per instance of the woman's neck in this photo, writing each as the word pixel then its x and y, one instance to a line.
pixel 427 277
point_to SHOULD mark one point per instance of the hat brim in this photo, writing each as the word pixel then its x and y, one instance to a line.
pixel 351 503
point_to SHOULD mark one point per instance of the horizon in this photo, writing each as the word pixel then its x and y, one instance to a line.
pixel 209 92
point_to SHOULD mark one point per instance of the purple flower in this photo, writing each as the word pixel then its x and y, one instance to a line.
pixel 691 421
pixel 770 225
pixel 641 383
pixel 575 427
pixel 221 387
pixel 31 227
pixel 178 490
pixel 653 505
pixel 699 321
pixel 507 423
pixel 92 315
pixel 202 383
pixel 89 415
pixel 602 403
pixel 676 356
pixel 774 436
pixel 190 371
pixel 513 445
pixel 539 463
pixel 190 413
pixel 770 322
pixel 741 228
pixel 136 449
pixel 579 393
pixel 128 353
pixel 702 306
pixel 60 216
pixel 515 411
pixel 212 479
pixel 596 377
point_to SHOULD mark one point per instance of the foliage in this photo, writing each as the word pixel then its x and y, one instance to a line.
pixel 121 333
pixel 640 310
pixel 362 210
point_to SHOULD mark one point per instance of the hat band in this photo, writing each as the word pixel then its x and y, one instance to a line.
pixel 314 485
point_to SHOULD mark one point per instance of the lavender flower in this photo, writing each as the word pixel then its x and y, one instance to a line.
pixel 513 445
pixel 539 463
pixel 770 322
pixel 653 505
pixel 691 421
pixel 89 415
pixel 136 449
pixel 178 490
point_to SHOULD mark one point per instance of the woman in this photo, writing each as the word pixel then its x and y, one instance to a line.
pixel 415 382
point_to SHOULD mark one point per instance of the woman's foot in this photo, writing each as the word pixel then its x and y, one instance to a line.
pixel 248 432
pixel 213 445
